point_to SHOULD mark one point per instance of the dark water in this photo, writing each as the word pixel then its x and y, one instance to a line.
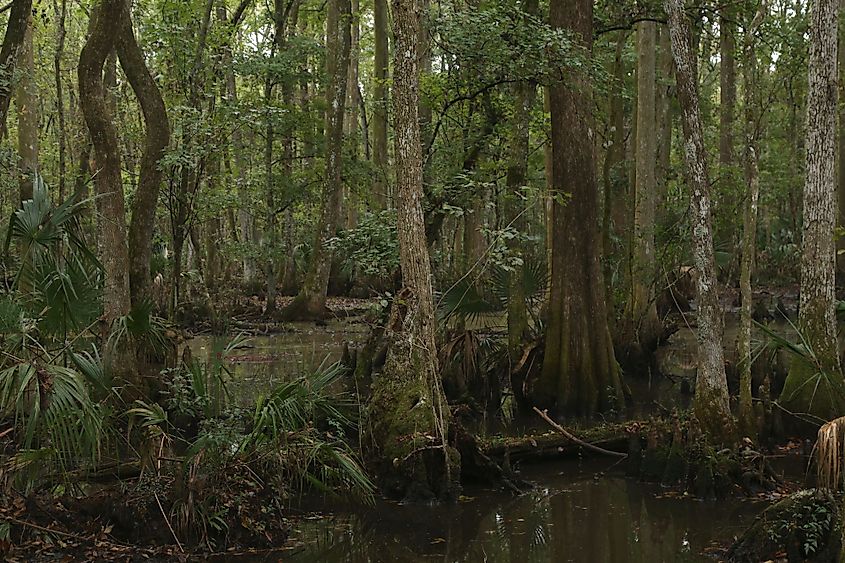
pixel 574 515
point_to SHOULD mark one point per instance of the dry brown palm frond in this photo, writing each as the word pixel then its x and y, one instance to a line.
pixel 831 448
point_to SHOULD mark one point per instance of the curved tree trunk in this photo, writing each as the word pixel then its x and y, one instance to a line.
pixel 580 374
pixel 157 138
pixel 817 317
pixel 107 179
pixel 310 303
pixel 408 410
pixel 13 40
pixel 111 229
pixel 711 405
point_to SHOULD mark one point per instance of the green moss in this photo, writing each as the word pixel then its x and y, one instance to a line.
pixel 717 423
pixel 410 458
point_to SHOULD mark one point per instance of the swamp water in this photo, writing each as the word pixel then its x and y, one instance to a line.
pixel 579 511
pixel 576 513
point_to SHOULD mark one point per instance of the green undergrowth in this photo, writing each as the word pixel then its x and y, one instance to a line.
pixel 805 526
pixel 218 475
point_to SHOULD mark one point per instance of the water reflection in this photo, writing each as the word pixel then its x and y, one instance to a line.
pixel 272 359
pixel 571 517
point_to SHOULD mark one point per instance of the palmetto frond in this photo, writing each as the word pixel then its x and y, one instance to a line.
pixel 53 411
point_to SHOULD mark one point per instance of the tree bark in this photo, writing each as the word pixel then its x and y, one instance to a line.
pixel 727 87
pixel 817 316
pixel 408 410
pixel 645 325
pixel 60 13
pixel 13 40
pixel 580 374
pixel 665 93
pixel 26 100
pixel 157 138
pixel 615 218
pixel 840 185
pixel 351 115
pixel 753 113
pixel 111 224
pixel 310 303
pixel 378 124
pixel 516 177
pixel 107 180
pixel 711 404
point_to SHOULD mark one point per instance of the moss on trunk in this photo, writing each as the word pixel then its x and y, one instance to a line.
pixel 405 424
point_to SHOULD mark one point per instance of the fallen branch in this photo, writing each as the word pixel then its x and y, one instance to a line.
pixel 43 529
pixel 167 521
pixel 574 438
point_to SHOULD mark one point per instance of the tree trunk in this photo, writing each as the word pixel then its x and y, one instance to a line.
pixel 157 128
pixel 517 173
pixel 26 100
pixel 727 88
pixel 380 104
pixel 665 92
pixel 615 218
pixel 580 374
pixel 19 17
pixel 749 219
pixel 310 303
pixel 548 204
pixel 61 13
pixel 112 244
pixel 642 315
pixel 245 216
pixel 281 11
pixel 840 186
pixel 817 317
pixel 408 412
pixel 711 404
pixel 351 116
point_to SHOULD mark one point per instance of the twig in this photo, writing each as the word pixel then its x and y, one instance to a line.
pixel 574 438
pixel 167 521
pixel 422 449
pixel 43 529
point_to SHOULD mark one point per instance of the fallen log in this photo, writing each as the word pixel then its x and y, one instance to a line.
pixel 553 445
pixel 592 447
